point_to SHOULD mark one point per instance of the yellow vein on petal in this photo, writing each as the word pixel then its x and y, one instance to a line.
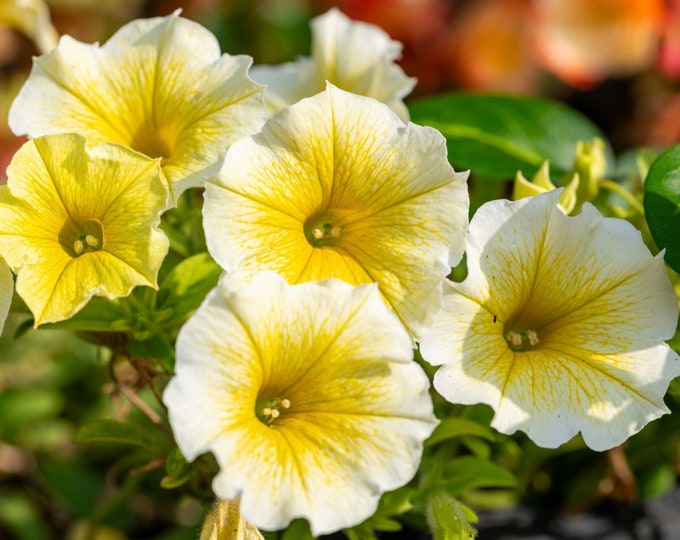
pixel 594 366
pixel 328 345
pixel 345 413
pixel 53 181
pixel 258 201
pixel 284 434
pixel 80 98
pixel 599 294
pixel 256 347
pixel 392 205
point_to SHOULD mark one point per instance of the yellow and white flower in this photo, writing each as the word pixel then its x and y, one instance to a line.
pixel 352 55
pixel 158 86
pixel 307 395
pixel 77 222
pixel 337 186
pixel 559 325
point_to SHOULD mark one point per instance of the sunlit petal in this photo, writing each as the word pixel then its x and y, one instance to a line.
pixel 559 325
pixel 337 186
pixel 352 55
pixel 307 393
pixel 32 17
pixel 158 86
pixel 77 222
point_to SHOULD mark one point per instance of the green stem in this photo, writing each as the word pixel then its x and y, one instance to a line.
pixel 624 194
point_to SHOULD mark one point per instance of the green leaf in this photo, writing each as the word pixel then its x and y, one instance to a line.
pixel 99 315
pixel 177 468
pixel 186 286
pixel 176 462
pixel 450 428
pixel 470 472
pixel 392 503
pixel 297 530
pixel 449 519
pixel 662 204
pixel 115 432
pixel 172 481
pixel 495 136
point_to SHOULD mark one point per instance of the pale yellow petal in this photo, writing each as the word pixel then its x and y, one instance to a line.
pixel 503 250
pixel 352 55
pixel 396 210
pixel 6 291
pixel 597 270
pixel 224 522
pixel 559 325
pixel 32 17
pixel 77 222
pixel 352 408
pixel 359 57
pixel 158 85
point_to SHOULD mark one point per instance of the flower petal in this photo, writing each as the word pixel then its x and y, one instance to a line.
pixel 6 291
pixel 559 325
pixel 77 222
pixel 352 55
pixel 400 209
pixel 357 406
pixel 32 17
pixel 158 85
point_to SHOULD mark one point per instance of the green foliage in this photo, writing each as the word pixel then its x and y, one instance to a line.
pixel 449 519
pixel 495 136
pixel 662 204
pixel 187 285
pixel 392 503
pixel 449 428
pixel 125 433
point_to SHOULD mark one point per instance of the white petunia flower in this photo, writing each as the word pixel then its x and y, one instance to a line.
pixel 308 397
pixel 559 325
pixel 159 86
pixel 337 186
pixel 352 55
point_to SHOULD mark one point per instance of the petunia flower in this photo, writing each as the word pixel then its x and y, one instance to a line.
pixel 352 55
pixel 32 17
pixel 307 395
pixel 6 291
pixel 158 86
pixel 77 222
pixel 559 325
pixel 337 186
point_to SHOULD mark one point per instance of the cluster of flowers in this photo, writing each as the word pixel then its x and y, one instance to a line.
pixel 336 224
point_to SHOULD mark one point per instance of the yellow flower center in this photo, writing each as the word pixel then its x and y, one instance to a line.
pixel 322 230
pixel 80 238
pixel 269 410
pixel 155 142
pixel 521 340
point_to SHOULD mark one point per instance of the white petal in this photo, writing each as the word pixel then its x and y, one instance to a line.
pixel 358 406
pixel 6 291
pixel 598 305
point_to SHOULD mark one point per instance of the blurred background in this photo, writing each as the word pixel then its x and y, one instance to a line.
pixel 617 61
